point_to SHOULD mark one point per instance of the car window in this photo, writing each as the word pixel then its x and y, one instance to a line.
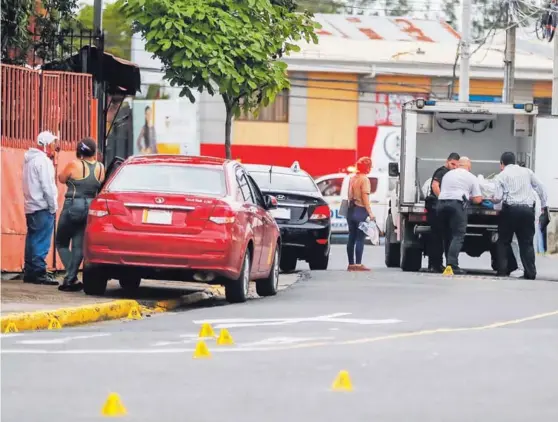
pixel 331 187
pixel 373 184
pixel 256 192
pixel 169 178
pixel 284 182
pixel 244 186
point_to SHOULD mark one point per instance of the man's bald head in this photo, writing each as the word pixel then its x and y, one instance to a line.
pixel 465 163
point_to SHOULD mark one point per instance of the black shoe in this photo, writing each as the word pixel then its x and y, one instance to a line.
pixel 458 271
pixel 71 286
pixel 435 269
pixel 46 279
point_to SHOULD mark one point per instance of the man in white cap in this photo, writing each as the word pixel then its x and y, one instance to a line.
pixel 40 203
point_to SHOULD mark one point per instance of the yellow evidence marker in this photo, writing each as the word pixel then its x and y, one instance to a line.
pixel 202 351
pixel 54 324
pixel 342 382
pixel 225 338
pixel 206 331
pixel 134 313
pixel 113 406
pixel 448 271
pixel 11 328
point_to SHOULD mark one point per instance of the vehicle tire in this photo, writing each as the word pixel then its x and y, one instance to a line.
pixel 270 285
pixel 392 249
pixel 236 291
pixel 94 281
pixel 288 262
pixel 411 258
pixel 130 283
pixel 319 261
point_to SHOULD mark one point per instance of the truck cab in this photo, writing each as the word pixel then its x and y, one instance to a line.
pixel 430 131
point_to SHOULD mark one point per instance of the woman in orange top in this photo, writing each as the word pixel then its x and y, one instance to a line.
pixel 359 211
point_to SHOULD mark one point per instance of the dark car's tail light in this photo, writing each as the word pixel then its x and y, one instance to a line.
pixel 222 215
pixel 321 212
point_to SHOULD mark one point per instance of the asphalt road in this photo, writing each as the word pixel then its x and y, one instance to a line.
pixel 417 347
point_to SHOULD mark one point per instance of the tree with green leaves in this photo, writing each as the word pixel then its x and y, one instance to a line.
pixel 449 8
pixel 117 30
pixel 227 47
pixel 46 15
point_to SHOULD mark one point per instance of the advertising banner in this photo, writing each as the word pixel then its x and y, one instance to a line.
pixel 166 127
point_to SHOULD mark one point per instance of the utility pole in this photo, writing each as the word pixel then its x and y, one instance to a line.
pixel 99 84
pixel 464 51
pixel 555 79
pixel 509 59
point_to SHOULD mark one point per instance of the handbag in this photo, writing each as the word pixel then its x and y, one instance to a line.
pixel 347 204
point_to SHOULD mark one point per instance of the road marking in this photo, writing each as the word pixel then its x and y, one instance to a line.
pixel 9 335
pixel 286 347
pixel 63 339
pixel 263 322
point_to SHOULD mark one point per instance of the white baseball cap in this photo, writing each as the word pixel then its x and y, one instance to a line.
pixel 46 138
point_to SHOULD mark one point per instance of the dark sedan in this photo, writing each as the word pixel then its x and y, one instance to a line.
pixel 303 215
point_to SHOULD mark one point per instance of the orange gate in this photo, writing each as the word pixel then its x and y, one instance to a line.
pixel 33 101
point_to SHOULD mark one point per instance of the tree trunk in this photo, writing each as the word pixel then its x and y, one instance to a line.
pixel 228 127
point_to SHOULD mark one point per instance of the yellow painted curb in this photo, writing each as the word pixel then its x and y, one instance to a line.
pixel 70 316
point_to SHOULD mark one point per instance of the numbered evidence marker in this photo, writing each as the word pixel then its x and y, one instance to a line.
pixel 206 331
pixel 11 328
pixel 134 313
pixel 342 382
pixel 448 271
pixel 201 352
pixel 225 338
pixel 113 406
pixel 54 324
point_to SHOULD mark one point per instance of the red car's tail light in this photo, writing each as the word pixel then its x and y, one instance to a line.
pixel 116 207
pixel 222 215
pixel 98 208
pixel 321 212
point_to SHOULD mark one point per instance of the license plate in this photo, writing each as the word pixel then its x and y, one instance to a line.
pixel 281 213
pixel 157 217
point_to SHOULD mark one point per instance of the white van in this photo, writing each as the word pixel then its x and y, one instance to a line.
pixel 335 187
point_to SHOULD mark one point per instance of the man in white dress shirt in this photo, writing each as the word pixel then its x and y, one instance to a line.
pixel 460 187
pixel 517 188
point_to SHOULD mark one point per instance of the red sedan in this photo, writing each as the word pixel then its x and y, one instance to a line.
pixel 172 217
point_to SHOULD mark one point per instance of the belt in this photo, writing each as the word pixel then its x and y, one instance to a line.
pixel 451 200
pixel 518 205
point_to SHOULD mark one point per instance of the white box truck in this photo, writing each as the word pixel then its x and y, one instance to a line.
pixel 431 130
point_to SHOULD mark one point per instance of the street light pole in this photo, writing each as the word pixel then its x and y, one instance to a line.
pixel 555 79
pixel 99 84
pixel 509 59
pixel 464 51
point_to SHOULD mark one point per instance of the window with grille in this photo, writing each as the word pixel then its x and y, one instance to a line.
pixel 278 111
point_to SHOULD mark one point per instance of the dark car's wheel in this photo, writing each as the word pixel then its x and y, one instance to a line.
pixel 236 291
pixel 411 258
pixel 130 283
pixel 288 262
pixel 319 261
pixel 94 281
pixel 270 285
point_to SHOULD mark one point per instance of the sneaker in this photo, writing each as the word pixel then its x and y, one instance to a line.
pixel 517 274
pixel 46 279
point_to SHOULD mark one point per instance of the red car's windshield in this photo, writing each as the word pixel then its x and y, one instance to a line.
pixel 170 178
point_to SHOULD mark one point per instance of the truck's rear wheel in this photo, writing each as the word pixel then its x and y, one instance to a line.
pixel 411 258
pixel 392 248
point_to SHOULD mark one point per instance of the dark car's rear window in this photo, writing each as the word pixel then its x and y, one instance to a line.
pixel 169 179
pixel 284 182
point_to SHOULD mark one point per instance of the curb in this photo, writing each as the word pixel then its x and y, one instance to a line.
pixel 116 309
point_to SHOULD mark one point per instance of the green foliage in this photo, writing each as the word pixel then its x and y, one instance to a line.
pixel 117 29
pixel 17 40
pixel 226 47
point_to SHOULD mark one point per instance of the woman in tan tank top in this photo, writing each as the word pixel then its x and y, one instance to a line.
pixel 359 211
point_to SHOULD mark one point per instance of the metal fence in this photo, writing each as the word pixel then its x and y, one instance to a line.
pixel 33 101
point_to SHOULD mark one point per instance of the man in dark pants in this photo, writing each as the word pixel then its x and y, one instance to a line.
pixel 435 246
pixel 517 186
pixel 459 187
